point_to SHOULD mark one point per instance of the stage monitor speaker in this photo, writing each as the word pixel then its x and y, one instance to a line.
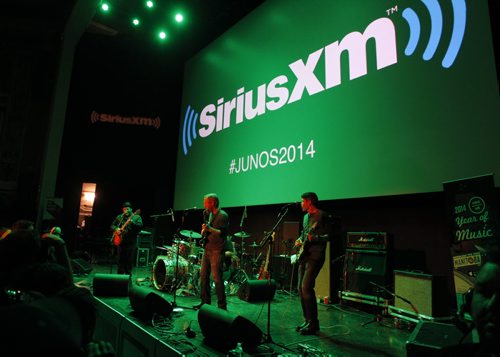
pixel 146 302
pixel 111 284
pixel 80 266
pixel 434 338
pixel 223 329
pixel 427 293
pixel 364 266
pixel 257 290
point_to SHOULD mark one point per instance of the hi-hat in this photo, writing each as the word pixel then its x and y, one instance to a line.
pixel 254 245
pixel 242 234
pixel 178 241
pixel 190 234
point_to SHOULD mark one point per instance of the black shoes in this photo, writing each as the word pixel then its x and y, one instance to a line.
pixel 300 327
pixel 310 329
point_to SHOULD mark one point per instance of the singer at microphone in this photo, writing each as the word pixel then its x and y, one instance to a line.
pixel 310 258
pixel 214 234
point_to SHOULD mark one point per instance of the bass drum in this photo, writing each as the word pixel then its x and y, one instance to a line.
pixel 164 271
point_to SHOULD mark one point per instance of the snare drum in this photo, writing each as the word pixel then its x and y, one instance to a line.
pixel 164 271
pixel 182 247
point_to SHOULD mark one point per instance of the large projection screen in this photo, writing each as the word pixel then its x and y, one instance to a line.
pixel 349 99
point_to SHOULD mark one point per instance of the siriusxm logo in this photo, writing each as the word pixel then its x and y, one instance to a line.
pixel 247 105
pixel 459 16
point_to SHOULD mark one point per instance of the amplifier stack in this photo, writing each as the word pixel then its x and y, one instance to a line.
pixel 366 266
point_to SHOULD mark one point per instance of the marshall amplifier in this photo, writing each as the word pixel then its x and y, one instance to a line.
pixel 365 268
pixel 367 240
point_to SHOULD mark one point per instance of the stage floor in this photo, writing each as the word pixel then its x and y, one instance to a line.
pixel 342 332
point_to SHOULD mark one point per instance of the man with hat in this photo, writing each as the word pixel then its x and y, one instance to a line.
pixel 125 228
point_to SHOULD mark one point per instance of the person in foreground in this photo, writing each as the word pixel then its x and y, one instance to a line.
pixel 214 232
pixel 484 310
pixel 311 256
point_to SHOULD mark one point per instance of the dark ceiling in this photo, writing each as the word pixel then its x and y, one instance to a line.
pixel 25 22
pixel 204 21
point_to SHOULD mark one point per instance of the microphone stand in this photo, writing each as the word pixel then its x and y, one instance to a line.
pixel 176 281
pixel 395 295
pixel 378 316
pixel 269 240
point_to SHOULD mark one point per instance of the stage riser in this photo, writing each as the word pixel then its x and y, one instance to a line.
pixel 127 337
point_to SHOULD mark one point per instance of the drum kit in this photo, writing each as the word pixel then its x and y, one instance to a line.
pixel 177 267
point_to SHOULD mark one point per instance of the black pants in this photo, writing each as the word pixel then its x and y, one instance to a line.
pixel 309 269
pixel 212 264
pixel 125 258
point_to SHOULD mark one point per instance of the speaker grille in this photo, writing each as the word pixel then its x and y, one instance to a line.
pixel 361 268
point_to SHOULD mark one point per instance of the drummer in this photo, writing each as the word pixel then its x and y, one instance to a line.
pixel 231 259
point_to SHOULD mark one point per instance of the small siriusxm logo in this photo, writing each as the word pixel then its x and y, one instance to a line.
pixel 247 105
pixel 189 129
pixel 436 17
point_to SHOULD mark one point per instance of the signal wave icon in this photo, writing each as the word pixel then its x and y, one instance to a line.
pixel 189 129
pixel 436 17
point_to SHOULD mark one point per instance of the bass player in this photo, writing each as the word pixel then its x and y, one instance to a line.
pixel 125 228
pixel 311 257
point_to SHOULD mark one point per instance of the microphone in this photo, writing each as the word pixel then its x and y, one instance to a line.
pixel 292 204
pixel 191 209
pixel 172 215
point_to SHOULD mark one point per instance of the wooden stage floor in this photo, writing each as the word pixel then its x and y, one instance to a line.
pixel 342 332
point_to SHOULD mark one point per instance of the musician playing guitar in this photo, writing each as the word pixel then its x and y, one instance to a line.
pixel 312 245
pixel 125 227
pixel 214 233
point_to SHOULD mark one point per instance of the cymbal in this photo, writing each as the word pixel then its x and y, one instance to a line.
pixel 190 234
pixel 242 234
pixel 145 233
pixel 254 245
pixel 165 247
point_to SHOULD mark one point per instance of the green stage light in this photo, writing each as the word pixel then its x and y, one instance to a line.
pixel 105 7
pixel 179 17
pixel 149 4
pixel 162 35
pixel 136 21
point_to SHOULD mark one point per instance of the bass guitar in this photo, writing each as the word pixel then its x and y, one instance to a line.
pixel 117 235
pixel 305 244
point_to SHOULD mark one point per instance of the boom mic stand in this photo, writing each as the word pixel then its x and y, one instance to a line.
pixel 378 316
pixel 269 240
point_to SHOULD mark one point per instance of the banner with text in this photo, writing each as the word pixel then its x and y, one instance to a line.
pixel 473 217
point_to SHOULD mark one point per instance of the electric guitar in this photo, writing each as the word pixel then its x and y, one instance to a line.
pixel 305 244
pixel 264 273
pixel 204 236
pixel 117 235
